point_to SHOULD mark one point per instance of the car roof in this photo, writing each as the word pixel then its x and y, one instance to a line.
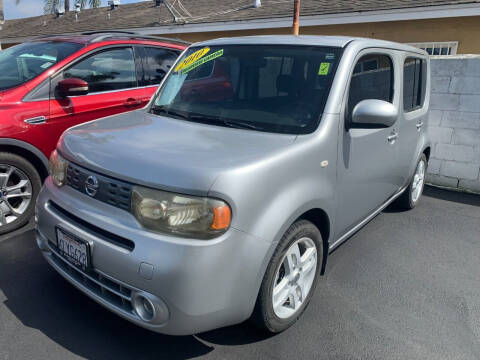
pixel 309 40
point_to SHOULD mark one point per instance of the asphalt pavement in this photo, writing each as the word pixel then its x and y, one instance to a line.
pixel 406 286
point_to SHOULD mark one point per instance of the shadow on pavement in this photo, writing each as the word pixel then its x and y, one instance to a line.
pixel 441 194
pixel 27 227
pixel 245 333
pixel 454 196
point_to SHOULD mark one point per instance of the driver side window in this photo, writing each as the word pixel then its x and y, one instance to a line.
pixel 372 79
pixel 106 71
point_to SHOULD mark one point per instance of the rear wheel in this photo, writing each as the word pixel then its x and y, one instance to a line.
pixel 290 279
pixel 19 186
pixel 411 196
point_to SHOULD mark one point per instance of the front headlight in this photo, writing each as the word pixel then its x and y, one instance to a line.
pixel 185 216
pixel 57 168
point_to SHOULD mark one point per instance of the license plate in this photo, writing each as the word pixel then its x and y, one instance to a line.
pixel 73 249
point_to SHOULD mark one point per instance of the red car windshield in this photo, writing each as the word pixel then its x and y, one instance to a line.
pixel 273 88
pixel 24 62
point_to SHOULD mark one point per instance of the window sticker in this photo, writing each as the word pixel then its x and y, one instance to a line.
pixel 324 67
pixel 190 59
pixel 330 56
pixel 202 61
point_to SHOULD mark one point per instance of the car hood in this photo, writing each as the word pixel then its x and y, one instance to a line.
pixel 166 153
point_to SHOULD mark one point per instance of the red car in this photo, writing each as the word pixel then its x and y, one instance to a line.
pixel 53 83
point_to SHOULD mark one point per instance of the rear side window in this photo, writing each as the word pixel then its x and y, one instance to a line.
pixel 414 83
pixel 372 79
pixel 106 71
pixel 158 62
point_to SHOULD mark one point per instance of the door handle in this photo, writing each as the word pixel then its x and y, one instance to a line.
pixel 419 125
pixel 36 120
pixel 392 137
pixel 132 102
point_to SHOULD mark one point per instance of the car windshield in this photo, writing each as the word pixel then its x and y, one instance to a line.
pixel 24 62
pixel 274 88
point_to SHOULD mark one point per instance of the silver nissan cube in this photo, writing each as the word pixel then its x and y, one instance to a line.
pixel 221 200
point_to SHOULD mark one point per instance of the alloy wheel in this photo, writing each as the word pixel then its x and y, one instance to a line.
pixel 15 193
pixel 418 181
pixel 294 278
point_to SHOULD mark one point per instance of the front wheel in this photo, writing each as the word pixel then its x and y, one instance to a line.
pixel 290 279
pixel 19 186
pixel 411 196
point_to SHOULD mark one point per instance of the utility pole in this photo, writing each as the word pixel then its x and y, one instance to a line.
pixel 1 14
pixel 296 17
pixel 1 19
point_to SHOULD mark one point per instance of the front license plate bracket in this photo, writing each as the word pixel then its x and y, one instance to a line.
pixel 75 250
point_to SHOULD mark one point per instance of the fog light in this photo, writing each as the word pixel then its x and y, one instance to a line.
pixel 144 308
pixel 149 308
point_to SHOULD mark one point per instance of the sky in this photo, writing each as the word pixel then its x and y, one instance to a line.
pixel 28 8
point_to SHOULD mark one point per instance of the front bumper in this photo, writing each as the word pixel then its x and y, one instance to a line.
pixel 198 285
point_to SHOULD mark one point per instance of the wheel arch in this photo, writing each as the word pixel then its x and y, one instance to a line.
pixel 427 152
pixel 321 220
pixel 27 151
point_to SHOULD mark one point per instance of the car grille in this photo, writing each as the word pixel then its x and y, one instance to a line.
pixel 109 290
pixel 92 229
pixel 111 191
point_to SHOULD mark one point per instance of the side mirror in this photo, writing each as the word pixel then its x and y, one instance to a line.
pixel 72 87
pixel 374 113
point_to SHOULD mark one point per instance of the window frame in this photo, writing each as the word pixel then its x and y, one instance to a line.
pixel 59 75
pixel 394 80
pixel 422 91
pixel 142 55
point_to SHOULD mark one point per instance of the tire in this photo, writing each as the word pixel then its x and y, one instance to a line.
pixel 407 200
pixel 276 319
pixel 17 202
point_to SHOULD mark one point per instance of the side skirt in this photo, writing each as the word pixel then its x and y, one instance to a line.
pixel 362 223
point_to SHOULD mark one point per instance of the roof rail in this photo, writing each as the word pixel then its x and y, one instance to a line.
pixel 103 35
pixel 117 34
pixel 108 32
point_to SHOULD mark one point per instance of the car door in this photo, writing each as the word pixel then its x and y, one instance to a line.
pixel 367 160
pixel 113 88
pixel 157 62
pixel 413 112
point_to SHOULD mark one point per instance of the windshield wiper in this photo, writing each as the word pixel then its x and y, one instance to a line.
pixel 241 125
pixel 224 122
pixel 204 119
pixel 166 111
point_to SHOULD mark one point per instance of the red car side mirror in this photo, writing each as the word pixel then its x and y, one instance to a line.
pixel 72 87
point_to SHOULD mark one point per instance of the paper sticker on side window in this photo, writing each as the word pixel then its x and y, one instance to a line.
pixel 197 55
pixel 46 65
pixel 324 67
pixel 202 61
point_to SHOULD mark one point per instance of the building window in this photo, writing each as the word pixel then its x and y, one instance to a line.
pixel 438 48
